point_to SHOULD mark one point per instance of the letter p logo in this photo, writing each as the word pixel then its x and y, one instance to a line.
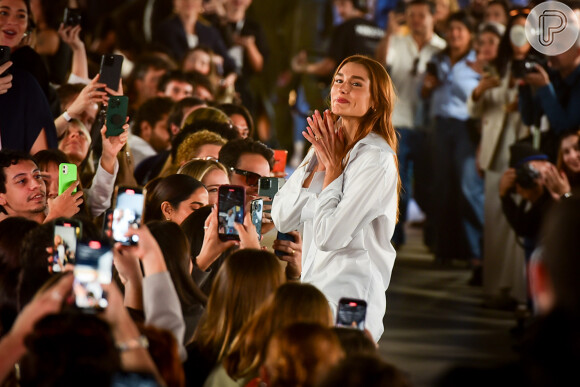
pixel 552 22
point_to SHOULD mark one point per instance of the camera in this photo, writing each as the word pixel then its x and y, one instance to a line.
pixel 265 184
pixel 528 65
pixel 526 176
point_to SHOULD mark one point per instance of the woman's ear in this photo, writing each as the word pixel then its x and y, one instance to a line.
pixel 167 210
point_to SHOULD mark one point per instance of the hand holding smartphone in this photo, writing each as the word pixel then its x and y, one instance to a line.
pixel 66 234
pixel 94 268
pixel 351 313
pixel 72 17
pixel 284 237
pixel 127 213
pixel 67 176
pixel 116 115
pixel 4 57
pixel 231 201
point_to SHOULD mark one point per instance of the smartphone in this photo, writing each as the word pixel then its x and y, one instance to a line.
pixel 432 69
pixel 94 267
pixel 351 313
pixel 67 176
pixel 280 157
pixel 110 72
pixel 231 200
pixel 127 213
pixel 4 57
pixel 67 233
pixel 284 237
pixel 257 206
pixel 269 186
pixel 116 114
pixel 72 17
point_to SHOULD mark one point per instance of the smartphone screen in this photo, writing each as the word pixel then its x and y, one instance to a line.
pixel 351 313
pixel 127 213
pixel 67 233
pixel 110 72
pixel 231 199
pixel 94 268
pixel 257 208
pixel 67 175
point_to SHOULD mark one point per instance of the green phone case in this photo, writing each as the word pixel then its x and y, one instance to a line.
pixel 67 175
pixel 116 114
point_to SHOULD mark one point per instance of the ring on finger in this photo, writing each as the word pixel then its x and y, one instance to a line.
pixel 293 251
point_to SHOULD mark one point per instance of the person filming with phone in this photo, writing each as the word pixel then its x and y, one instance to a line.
pixel 344 195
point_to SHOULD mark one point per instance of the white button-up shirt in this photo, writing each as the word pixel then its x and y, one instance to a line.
pixel 347 227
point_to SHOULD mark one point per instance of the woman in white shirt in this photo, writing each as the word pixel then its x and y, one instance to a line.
pixel 343 197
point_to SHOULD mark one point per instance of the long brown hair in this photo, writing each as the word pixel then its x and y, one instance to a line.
pixel 379 117
pixel 243 283
pixel 292 302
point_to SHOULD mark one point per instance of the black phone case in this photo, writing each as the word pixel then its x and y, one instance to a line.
pixel 4 57
pixel 116 114
pixel 72 17
pixel 110 73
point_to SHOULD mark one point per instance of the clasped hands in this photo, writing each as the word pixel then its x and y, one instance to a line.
pixel 328 139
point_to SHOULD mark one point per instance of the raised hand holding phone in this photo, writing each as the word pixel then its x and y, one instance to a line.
pixel 288 248
pixel 65 205
pixel 231 202
pixel 212 245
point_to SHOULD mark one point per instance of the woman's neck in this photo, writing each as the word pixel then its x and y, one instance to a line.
pixel 189 21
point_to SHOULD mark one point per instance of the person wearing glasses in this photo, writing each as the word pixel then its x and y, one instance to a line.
pixel 406 57
pixel 344 195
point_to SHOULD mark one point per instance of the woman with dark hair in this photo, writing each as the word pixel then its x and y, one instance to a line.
pixel 173 198
pixel 494 101
pixel 175 248
pixel 457 188
pixel 241 118
pixel 346 209
pixel 12 232
pixel 244 282
pixel 25 114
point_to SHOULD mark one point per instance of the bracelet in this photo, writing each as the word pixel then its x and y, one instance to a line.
pixel 139 342
pixel 67 116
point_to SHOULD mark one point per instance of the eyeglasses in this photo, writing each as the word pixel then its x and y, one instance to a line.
pixel 252 178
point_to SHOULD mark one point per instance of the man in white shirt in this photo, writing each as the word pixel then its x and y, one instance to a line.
pixel 406 57
pixel 150 132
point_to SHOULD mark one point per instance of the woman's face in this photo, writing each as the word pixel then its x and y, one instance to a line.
pixel 570 149
pixel 441 10
pixel 212 180
pixel 458 36
pixel 487 46
pixel 351 91
pixel 13 22
pixel 188 8
pixel 197 200
pixel 75 143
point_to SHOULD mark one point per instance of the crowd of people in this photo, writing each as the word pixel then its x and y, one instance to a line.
pixel 440 102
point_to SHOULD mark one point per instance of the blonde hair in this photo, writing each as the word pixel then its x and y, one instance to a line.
pixel 198 168
pixel 189 148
